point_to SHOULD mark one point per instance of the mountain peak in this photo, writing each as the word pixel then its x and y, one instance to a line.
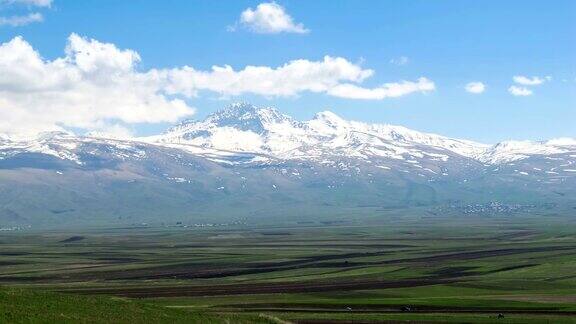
pixel 327 115
pixel 239 116
pixel 246 117
pixel 239 109
pixel 329 118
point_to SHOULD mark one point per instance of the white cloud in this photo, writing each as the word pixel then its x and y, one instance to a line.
pixel 270 18
pixel 92 87
pixel 334 76
pixel 527 81
pixel 519 91
pixel 475 87
pixel 402 60
pixel 23 20
pixel 35 3
pixel 92 56
pixel 96 86
pixel 287 80
pixel 387 90
pixel 16 21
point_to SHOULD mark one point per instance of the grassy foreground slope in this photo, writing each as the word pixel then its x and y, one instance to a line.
pixel 34 306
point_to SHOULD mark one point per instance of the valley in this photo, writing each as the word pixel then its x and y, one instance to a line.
pixel 408 267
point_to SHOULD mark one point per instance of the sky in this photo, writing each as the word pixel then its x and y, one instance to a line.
pixel 481 70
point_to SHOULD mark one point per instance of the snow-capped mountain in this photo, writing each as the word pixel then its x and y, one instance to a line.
pixel 509 151
pixel 247 161
pixel 266 135
pixel 246 129
pixel 265 131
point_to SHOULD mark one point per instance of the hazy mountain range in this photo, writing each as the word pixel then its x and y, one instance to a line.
pixel 257 164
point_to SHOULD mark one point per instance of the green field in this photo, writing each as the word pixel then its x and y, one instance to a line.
pixel 413 269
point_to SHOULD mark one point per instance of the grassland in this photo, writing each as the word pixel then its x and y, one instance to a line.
pixel 422 269
pixel 34 306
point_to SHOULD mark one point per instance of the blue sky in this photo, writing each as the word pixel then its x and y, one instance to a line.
pixel 450 43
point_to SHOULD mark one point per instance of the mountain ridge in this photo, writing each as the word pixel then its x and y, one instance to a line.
pixel 249 119
pixel 247 129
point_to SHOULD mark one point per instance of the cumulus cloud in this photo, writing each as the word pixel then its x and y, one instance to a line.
pixel 519 91
pixel 270 18
pixel 475 87
pixel 35 3
pixel 287 80
pixel 97 86
pixel 334 76
pixel 16 21
pixel 93 86
pixel 387 90
pixel 530 81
